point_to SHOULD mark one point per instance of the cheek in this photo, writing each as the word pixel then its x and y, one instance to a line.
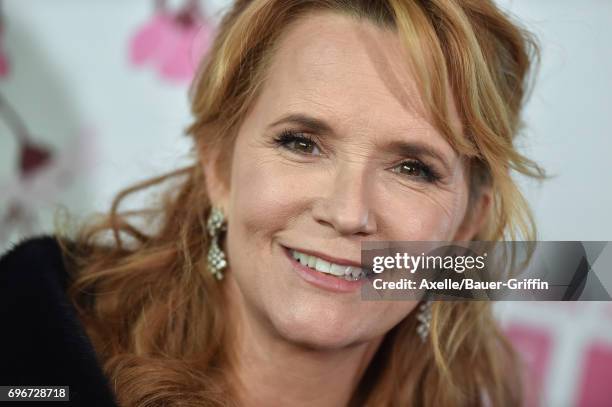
pixel 425 214
pixel 264 197
pixel 264 200
pixel 258 209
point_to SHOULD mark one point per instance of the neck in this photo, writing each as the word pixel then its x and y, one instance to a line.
pixel 273 371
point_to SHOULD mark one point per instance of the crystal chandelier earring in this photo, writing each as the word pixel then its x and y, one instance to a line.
pixel 424 318
pixel 216 257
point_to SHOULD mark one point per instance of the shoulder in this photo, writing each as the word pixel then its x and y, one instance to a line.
pixel 35 263
pixel 43 342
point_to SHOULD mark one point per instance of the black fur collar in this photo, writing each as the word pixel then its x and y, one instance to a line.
pixel 41 340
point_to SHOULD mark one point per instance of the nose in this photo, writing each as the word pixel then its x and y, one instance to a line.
pixel 347 205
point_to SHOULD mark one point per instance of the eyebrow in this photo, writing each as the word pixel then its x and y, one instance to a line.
pixel 399 147
pixel 311 123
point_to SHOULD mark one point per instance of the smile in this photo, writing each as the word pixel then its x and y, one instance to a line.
pixel 350 273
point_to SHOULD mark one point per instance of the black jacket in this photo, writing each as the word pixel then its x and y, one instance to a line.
pixel 41 339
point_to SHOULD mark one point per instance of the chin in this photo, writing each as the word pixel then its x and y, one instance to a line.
pixel 314 331
pixel 320 339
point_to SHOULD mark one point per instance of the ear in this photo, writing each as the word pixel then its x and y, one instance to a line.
pixel 475 216
pixel 216 183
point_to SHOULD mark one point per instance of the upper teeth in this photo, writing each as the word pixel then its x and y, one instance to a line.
pixel 349 272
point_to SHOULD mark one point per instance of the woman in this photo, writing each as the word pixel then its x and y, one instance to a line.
pixel 318 125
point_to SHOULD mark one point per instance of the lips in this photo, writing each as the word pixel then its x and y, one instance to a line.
pixel 322 279
pixel 321 265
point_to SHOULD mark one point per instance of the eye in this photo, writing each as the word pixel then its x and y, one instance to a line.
pixel 417 169
pixel 298 142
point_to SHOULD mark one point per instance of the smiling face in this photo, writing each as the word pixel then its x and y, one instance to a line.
pixel 335 151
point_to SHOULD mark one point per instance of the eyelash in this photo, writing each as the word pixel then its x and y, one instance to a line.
pixel 289 136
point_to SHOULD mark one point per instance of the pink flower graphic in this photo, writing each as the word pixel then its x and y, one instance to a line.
pixel 173 42
pixel 4 61
pixel 595 383
pixel 534 347
pixel 28 192
pixel 41 177
pixel 32 156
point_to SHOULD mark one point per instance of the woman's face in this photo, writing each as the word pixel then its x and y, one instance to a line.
pixel 335 151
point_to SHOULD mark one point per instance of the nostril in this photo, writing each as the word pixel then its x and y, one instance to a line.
pixel 348 214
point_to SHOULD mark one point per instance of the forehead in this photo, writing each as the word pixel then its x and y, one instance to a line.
pixel 348 71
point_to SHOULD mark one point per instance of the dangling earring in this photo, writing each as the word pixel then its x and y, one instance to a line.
pixel 216 257
pixel 424 318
